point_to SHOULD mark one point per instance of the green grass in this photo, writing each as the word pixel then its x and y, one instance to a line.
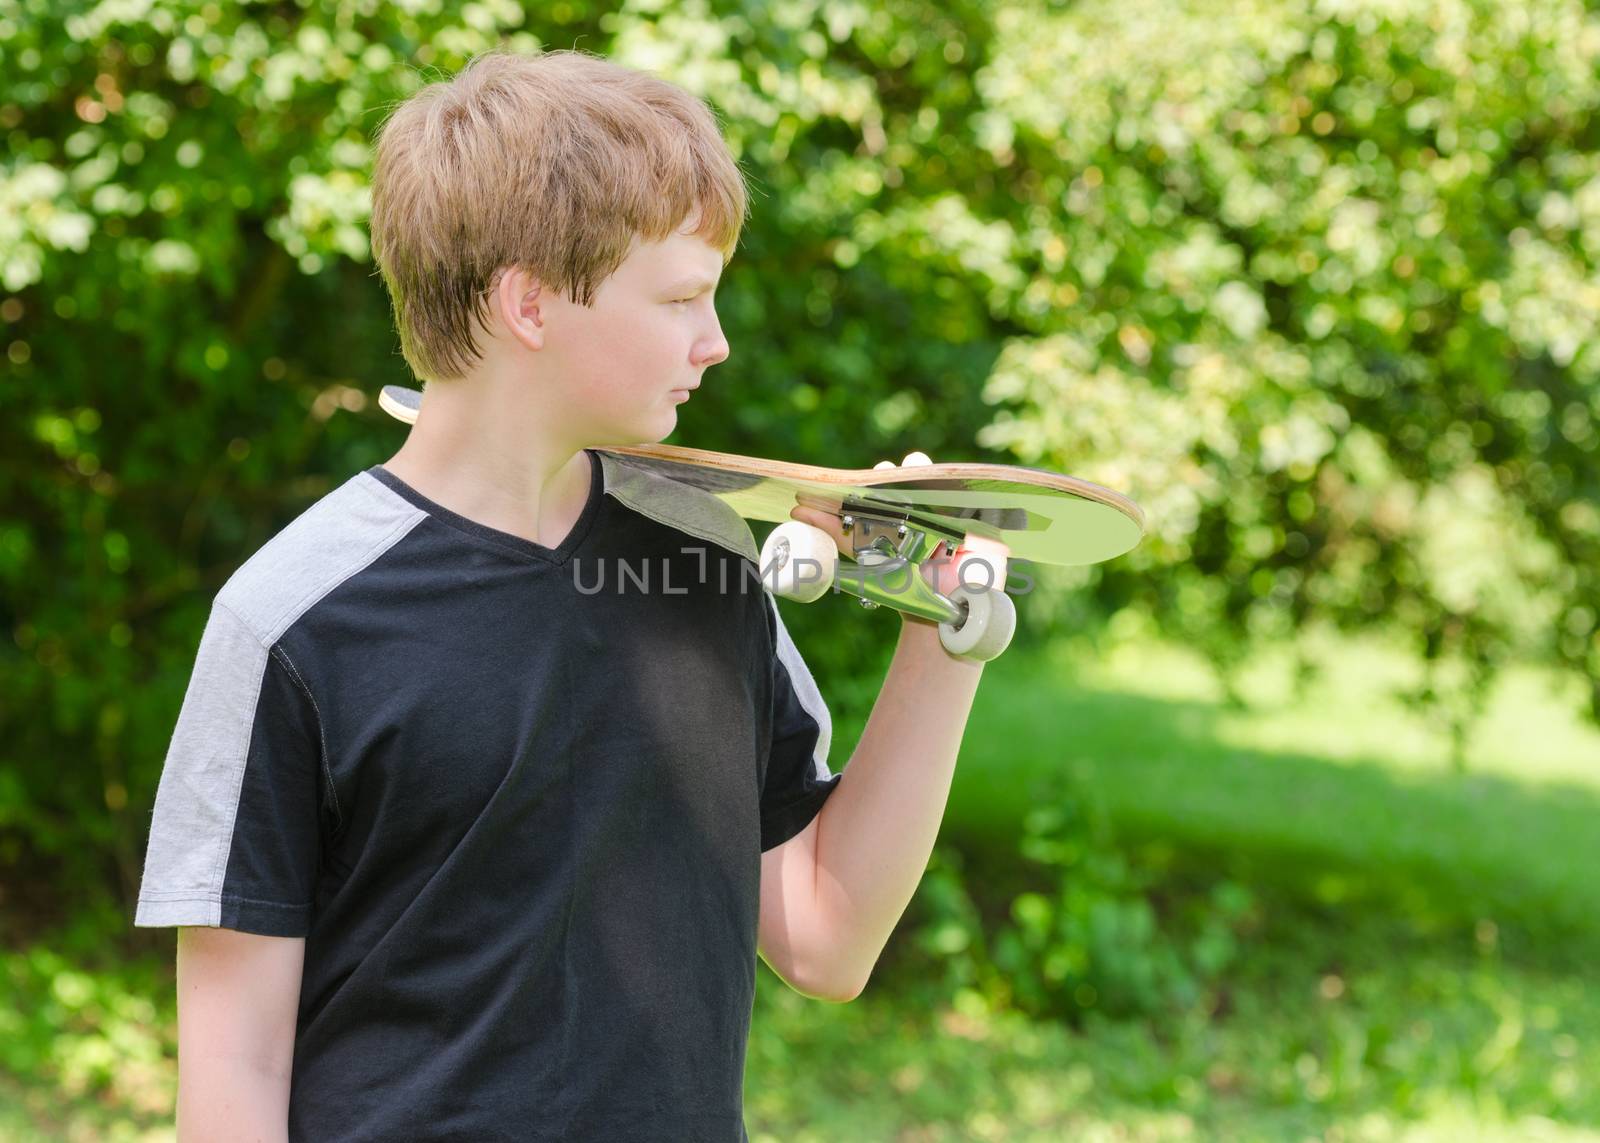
pixel 1428 1050
pixel 1418 966
pixel 1341 797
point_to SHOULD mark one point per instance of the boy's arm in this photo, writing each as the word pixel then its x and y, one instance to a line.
pixel 832 894
pixel 788 891
pixel 238 1000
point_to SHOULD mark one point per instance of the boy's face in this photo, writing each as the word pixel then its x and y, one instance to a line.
pixel 620 368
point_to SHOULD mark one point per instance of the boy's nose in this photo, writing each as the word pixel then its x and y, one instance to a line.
pixel 713 351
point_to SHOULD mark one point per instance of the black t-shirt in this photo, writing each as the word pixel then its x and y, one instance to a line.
pixel 514 798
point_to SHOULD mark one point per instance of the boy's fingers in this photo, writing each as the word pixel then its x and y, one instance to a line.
pixel 990 560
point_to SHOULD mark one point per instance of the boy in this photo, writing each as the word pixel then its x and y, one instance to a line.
pixel 459 847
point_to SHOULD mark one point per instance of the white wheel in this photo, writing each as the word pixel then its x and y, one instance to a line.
pixel 991 621
pixel 798 561
pixel 912 458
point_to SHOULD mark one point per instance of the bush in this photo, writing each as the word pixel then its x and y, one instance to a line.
pixel 1087 933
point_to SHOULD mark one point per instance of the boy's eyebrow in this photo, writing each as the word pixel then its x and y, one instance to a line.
pixel 693 282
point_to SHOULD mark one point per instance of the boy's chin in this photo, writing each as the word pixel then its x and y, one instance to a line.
pixel 645 431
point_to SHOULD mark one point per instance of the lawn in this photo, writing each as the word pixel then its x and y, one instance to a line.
pixel 1343 794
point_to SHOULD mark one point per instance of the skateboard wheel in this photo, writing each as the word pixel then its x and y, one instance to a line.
pixel 912 458
pixel 798 561
pixel 986 632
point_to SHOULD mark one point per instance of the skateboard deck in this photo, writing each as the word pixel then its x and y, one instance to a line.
pixel 1040 515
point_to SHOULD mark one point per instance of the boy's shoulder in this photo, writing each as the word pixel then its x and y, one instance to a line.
pixel 337 535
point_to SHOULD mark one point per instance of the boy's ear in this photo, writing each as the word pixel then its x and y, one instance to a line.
pixel 519 298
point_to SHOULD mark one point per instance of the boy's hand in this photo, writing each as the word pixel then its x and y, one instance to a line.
pixel 944 571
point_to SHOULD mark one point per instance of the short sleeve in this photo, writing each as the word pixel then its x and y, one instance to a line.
pixel 796 777
pixel 235 840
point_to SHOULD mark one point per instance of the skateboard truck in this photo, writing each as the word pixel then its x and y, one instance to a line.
pixel 975 623
pixel 880 560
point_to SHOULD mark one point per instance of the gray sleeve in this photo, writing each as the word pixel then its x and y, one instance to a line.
pixel 235 840
pixel 796 779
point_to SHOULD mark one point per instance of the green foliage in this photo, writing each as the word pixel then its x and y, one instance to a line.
pixel 86 1031
pixel 1311 258
pixel 1086 936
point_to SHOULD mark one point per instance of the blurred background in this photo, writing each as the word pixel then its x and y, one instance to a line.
pixel 1282 826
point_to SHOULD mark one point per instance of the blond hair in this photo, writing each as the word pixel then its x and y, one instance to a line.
pixel 552 163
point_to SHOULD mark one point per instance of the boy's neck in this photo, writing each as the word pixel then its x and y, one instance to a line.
pixel 498 471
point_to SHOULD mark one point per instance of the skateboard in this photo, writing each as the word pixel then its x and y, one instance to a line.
pixel 897 517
